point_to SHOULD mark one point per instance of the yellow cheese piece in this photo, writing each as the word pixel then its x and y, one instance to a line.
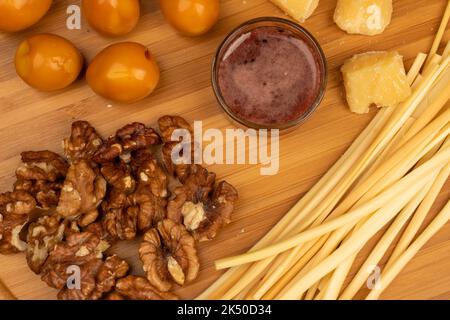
pixel 367 17
pixel 298 9
pixel 375 78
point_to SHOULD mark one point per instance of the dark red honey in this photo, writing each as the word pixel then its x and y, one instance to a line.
pixel 270 75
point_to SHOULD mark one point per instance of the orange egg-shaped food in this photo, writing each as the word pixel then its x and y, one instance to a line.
pixel 191 17
pixel 112 17
pixel 17 15
pixel 48 62
pixel 123 72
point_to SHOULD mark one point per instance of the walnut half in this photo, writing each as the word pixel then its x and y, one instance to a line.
pixel 15 210
pixel 203 208
pixel 83 142
pixel 41 175
pixel 128 212
pixel 78 248
pixel 43 236
pixel 167 126
pixel 83 191
pixel 120 218
pixel 82 251
pixel 138 288
pixel 46 193
pixel 169 255
pixel 131 137
pixel 117 173
pixel 97 278
pixel 42 165
pixel 151 192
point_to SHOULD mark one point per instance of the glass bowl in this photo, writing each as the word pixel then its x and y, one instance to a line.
pixel 282 24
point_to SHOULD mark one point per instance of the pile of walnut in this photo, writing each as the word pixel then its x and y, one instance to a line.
pixel 65 212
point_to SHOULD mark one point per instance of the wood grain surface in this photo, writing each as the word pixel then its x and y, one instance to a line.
pixel 31 120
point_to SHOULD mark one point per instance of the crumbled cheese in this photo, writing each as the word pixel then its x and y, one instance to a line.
pixel 375 78
pixel 298 9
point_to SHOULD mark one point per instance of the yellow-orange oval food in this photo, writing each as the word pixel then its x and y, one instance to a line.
pixel 123 72
pixel 17 15
pixel 112 17
pixel 191 17
pixel 48 62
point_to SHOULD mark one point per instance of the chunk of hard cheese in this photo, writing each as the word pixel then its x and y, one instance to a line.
pixel 375 78
pixel 368 17
pixel 298 9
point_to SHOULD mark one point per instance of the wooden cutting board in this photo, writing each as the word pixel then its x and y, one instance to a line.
pixel 32 120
